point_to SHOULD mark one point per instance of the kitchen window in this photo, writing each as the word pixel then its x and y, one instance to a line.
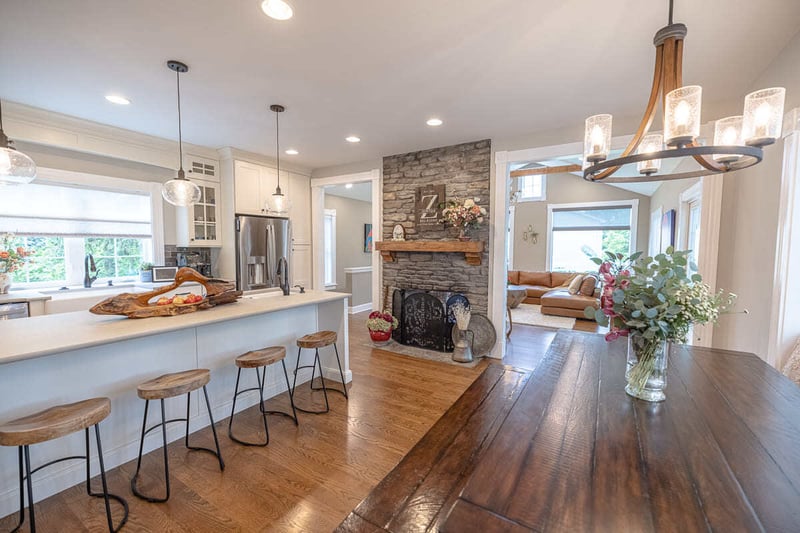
pixel 329 248
pixel 578 232
pixel 63 216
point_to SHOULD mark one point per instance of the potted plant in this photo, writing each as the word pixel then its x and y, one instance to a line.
pixel 653 301
pixel 146 272
pixel 12 258
pixel 463 216
pixel 380 326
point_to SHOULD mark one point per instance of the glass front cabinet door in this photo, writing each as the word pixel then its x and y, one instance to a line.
pixel 203 216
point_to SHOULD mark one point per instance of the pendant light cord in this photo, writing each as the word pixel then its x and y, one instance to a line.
pixel 180 132
pixel 1 115
pixel 278 147
pixel 670 12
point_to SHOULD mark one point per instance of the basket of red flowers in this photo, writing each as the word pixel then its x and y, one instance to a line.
pixel 380 325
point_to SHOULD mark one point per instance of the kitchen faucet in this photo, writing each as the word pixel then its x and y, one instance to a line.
pixel 89 271
pixel 283 275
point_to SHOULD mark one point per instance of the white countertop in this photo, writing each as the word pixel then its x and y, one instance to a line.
pixel 22 296
pixel 48 334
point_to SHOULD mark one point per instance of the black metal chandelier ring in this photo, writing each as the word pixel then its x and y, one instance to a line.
pixel 749 156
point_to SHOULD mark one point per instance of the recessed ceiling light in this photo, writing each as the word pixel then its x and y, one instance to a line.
pixel 117 99
pixel 277 9
pixel 348 186
pixel 434 122
pixel 353 139
pixel 292 151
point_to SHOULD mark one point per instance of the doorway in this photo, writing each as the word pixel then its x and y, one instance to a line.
pixel 346 214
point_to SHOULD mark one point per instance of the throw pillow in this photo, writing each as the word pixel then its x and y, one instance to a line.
pixel 588 285
pixel 575 284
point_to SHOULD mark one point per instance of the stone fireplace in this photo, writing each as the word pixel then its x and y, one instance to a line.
pixel 425 317
pixel 464 171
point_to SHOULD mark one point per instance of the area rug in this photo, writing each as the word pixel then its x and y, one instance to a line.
pixel 421 353
pixel 532 314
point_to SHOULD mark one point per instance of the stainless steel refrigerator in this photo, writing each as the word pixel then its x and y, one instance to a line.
pixel 260 243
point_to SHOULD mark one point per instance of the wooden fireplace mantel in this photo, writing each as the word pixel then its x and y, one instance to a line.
pixel 472 250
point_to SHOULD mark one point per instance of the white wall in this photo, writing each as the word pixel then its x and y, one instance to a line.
pixel 351 215
pixel 564 189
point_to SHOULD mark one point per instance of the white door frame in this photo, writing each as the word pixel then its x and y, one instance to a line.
pixel 317 220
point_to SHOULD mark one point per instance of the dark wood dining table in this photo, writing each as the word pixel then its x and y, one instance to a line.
pixel 563 448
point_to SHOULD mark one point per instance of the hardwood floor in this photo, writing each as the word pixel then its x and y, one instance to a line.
pixel 309 477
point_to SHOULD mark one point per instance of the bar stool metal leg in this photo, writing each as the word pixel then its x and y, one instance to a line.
pixel 291 394
pixel 324 390
pixel 30 487
pixel 107 496
pixel 236 393
pixel 341 374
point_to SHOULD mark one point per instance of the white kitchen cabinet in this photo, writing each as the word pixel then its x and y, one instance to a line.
pixel 201 168
pixel 203 216
pixel 301 265
pixel 247 189
pixel 300 209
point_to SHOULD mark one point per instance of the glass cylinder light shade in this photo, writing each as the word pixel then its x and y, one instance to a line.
pixel 728 132
pixel 763 116
pixel 278 204
pixel 181 192
pixel 597 139
pixel 16 168
pixel 650 144
pixel 682 115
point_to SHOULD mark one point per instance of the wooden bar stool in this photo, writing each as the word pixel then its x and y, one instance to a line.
pixel 169 386
pixel 261 359
pixel 318 340
pixel 51 424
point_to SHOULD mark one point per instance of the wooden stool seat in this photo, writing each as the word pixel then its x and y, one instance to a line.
pixel 54 422
pixel 320 339
pixel 175 384
pixel 262 357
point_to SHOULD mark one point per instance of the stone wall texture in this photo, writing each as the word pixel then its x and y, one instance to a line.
pixel 464 169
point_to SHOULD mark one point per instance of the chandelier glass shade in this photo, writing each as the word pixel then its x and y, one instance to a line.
pixel 16 168
pixel 738 141
pixel 180 191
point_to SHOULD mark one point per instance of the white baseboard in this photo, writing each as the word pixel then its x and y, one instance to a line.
pixel 360 308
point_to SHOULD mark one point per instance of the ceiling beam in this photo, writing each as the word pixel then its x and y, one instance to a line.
pixel 545 170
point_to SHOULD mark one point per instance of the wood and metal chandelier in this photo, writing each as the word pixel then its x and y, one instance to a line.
pixel 738 140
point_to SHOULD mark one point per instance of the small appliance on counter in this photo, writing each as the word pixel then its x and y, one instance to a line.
pixel 164 273
pixel 198 259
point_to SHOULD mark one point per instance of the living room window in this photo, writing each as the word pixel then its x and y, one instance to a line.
pixel 531 188
pixel 578 232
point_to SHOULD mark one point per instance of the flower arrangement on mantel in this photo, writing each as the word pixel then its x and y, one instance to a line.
pixel 463 216
pixel 653 301
pixel 12 258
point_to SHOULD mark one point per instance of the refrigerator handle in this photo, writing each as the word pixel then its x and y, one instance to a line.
pixel 271 259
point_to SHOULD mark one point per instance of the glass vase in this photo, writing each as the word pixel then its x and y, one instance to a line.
pixel 646 370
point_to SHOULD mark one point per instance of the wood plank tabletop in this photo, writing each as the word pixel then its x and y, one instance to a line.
pixel 565 449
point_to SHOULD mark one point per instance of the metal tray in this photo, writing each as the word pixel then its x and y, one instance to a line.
pixel 485 335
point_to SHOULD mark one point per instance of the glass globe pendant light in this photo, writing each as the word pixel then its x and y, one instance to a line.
pixel 180 191
pixel 16 168
pixel 279 203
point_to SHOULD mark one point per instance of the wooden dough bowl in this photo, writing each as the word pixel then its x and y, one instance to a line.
pixel 137 305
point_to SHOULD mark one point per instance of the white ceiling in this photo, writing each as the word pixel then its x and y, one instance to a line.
pixel 359 191
pixel 489 69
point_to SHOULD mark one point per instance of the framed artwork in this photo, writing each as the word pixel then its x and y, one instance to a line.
pixel 667 230
pixel 367 238
pixel 427 206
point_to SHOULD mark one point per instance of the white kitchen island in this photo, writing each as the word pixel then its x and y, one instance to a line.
pixel 54 359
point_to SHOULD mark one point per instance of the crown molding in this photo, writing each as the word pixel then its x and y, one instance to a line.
pixel 228 152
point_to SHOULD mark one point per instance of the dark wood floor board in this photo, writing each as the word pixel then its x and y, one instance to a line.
pixel 459 457
pixel 508 455
pixel 467 517
pixel 550 495
pixel 394 490
pixel 355 524
pixel 761 481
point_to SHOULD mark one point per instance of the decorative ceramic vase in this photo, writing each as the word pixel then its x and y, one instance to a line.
pixel 462 234
pixel 380 338
pixel 646 371
pixel 462 352
pixel 5 283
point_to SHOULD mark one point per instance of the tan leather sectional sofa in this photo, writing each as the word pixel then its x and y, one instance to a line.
pixel 551 291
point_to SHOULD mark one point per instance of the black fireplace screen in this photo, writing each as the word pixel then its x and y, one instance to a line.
pixel 425 317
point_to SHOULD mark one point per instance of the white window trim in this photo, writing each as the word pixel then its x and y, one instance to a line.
pixel 540 198
pixel 633 204
pixel 153 189
pixel 331 213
